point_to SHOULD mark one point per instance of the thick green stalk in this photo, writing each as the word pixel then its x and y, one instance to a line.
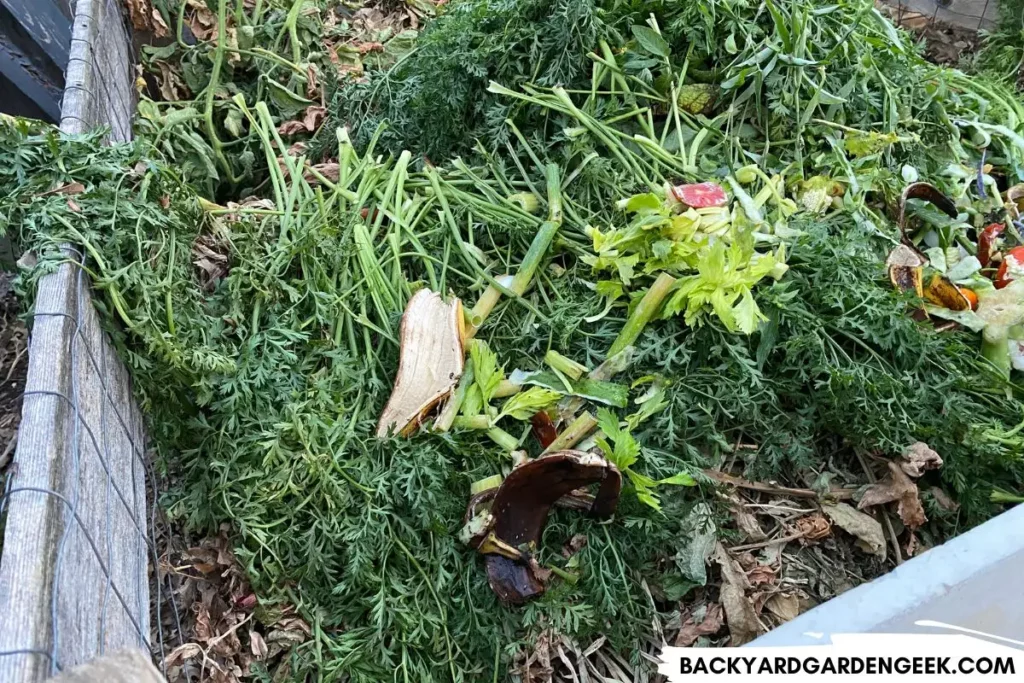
pixel 643 313
pixel 472 422
pixel 995 348
pixel 574 433
pixel 211 90
pixel 444 421
pixel 563 365
pixel 538 248
pixel 503 438
pixel 506 388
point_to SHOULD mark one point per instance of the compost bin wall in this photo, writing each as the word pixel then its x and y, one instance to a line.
pixel 974 15
pixel 74 578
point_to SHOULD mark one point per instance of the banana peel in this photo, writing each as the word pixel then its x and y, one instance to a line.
pixel 431 361
pixel 508 533
pixel 906 266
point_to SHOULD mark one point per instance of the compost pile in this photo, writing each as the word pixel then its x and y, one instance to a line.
pixel 658 239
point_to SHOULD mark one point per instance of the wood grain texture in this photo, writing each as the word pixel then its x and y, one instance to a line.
pixel 74 573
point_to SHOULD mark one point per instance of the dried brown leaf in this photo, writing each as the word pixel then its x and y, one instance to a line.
pixel 575 544
pixel 312 80
pixel 181 653
pixel 899 488
pixel 865 527
pixel 68 189
pixel 711 624
pixel 919 458
pixel 745 521
pixel 313 117
pixel 943 500
pixel 761 575
pixel 739 612
pixel 814 527
pixel 292 128
pixel 172 87
pixel 785 606
pixel 257 645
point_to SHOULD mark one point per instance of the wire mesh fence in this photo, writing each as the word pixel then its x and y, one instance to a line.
pixel 78 505
pixel 973 15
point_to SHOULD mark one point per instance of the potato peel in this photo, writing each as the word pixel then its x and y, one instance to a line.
pixel 431 361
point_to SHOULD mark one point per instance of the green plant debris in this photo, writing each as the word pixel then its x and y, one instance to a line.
pixel 255 287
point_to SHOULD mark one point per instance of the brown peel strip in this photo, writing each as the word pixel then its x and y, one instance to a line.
pixel 521 506
pixel 942 292
pixel 905 267
pixel 926 192
pixel 431 360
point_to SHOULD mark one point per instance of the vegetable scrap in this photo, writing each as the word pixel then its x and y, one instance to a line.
pixel 490 336
pixel 431 361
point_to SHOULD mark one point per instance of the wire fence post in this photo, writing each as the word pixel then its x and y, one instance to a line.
pixel 75 579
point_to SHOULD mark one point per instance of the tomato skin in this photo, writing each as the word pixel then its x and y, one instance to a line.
pixel 1011 268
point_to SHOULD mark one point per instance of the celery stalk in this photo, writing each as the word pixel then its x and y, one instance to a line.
pixel 503 438
pixel 534 255
pixel 574 433
pixel 566 366
pixel 472 422
pixel 643 313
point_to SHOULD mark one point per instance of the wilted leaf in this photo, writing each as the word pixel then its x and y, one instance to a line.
pixel 814 527
pixel 68 189
pixel 172 87
pixel 760 575
pixel 710 624
pixel 257 645
pixel 918 458
pixel 310 122
pixel 73 206
pixel 181 653
pixel 865 527
pixel 739 612
pixel 786 606
pixel 575 544
pixel 899 488
pixel 699 530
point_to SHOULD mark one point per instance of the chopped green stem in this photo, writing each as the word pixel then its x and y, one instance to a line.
pixel 506 388
pixel 643 313
pixel 472 422
pixel 574 433
pixel 563 365
pixel 444 421
pixel 503 439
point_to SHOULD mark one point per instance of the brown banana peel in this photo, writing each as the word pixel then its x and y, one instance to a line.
pixel 431 361
pixel 519 510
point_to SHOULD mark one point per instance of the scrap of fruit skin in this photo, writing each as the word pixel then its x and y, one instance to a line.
pixel 942 292
pixel 905 266
pixel 431 360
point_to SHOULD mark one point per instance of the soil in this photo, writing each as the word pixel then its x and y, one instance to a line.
pixel 13 369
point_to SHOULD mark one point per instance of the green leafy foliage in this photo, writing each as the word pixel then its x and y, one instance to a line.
pixel 523 405
pixel 624 452
pixel 437 104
